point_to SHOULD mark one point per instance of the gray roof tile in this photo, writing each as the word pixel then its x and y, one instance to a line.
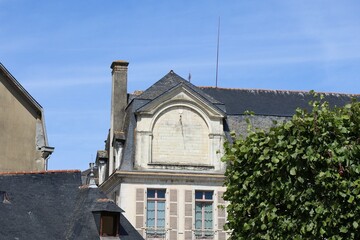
pixel 270 102
pixel 52 205
pixel 168 82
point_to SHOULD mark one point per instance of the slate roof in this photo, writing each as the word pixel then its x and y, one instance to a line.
pixel 237 101
pixel 168 82
pixel 52 205
pixel 270 102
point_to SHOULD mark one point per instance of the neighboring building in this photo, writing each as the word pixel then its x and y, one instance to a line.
pixel 162 159
pixel 23 140
pixel 54 205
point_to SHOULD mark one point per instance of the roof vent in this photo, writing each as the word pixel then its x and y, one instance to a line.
pixel 92 183
pixel 4 196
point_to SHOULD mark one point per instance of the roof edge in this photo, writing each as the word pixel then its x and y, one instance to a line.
pixel 278 90
pixel 21 89
pixel 40 172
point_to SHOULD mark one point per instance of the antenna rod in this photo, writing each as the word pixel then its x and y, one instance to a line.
pixel 217 54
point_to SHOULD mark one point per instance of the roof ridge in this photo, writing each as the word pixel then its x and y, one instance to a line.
pixel 40 172
pixel 170 75
pixel 275 90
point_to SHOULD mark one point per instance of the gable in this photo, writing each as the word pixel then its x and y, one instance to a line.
pixel 21 124
pixel 168 82
pixel 179 128
pixel 181 95
pixel 18 90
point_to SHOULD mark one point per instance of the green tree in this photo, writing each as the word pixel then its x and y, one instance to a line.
pixel 299 180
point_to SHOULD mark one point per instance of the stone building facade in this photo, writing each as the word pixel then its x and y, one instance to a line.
pixel 162 159
pixel 23 139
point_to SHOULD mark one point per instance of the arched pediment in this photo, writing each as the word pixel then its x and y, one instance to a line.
pixel 178 129
pixel 181 93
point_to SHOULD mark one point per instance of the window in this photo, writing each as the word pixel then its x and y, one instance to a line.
pixel 155 221
pixel 109 224
pixel 204 215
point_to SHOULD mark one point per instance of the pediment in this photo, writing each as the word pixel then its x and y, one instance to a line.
pixel 181 95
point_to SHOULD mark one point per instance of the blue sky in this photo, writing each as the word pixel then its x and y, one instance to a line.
pixel 61 52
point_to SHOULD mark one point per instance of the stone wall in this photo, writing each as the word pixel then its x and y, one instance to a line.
pixel 180 136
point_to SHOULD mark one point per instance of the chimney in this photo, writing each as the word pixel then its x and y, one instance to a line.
pixel 118 105
pixel 118 95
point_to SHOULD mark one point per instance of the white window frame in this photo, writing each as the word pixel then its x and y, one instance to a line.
pixel 205 233
pixel 155 232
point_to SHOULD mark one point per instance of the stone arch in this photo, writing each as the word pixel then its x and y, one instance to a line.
pixel 180 135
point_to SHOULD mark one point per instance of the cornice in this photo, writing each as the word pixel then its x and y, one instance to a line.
pixel 162 177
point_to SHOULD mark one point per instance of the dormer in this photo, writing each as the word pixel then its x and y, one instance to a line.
pixel 179 129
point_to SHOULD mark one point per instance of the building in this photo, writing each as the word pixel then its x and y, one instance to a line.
pixel 54 205
pixel 162 159
pixel 23 140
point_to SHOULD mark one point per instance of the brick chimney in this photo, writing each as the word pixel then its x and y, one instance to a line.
pixel 118 105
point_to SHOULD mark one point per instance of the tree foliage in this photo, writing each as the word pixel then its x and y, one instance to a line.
pixel 299 180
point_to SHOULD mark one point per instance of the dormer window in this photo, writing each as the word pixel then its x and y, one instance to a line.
pixel 109 224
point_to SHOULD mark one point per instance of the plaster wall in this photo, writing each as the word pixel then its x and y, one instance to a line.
pixel 178 214
pixel 18 124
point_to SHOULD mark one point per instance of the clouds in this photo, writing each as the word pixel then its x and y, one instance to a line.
pixel 334 25
pixel 61 52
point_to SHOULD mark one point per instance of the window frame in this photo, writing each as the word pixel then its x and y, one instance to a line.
pixel 155 232
pixel 203 232
pixel 115 227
